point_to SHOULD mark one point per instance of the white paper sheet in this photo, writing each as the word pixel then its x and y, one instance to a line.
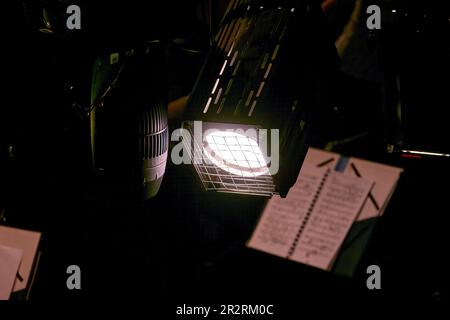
pixel 10 259
pixel 27 241
pixel 385 178
pixel 310 224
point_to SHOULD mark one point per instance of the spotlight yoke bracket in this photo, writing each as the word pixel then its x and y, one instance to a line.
pixel 267 70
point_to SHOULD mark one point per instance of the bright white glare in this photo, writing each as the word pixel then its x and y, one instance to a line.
pixel 223 67
pixel 427 153
pixel 235 153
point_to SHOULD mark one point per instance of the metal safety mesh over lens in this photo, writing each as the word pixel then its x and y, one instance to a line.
pixel 235 153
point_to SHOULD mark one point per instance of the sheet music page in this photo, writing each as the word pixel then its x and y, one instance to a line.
pixel 28 242
pixel 341 199
pixel 10 259
pixel 385 179
pixel 282 218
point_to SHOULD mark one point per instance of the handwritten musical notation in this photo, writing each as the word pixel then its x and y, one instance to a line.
pixel 279 223
pixel 333 214
pixel 310 224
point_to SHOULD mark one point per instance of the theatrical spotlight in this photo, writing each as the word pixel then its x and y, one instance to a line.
pixel 269 69
pixel 121 101
pixel 128 118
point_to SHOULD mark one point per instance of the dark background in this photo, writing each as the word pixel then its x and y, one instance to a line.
pixel 187 245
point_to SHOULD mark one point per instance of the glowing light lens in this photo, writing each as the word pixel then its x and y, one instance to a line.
pixel 235 153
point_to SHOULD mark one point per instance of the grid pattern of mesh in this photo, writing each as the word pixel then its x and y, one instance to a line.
pixel 257 180
pixel 235 153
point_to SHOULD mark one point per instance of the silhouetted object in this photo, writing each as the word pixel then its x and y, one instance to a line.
pixel 128 116
pixel 416 64
pixel 270 68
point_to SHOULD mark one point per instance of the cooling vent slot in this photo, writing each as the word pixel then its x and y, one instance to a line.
pixel 153 133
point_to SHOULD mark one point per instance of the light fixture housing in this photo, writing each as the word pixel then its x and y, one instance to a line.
pixel 270 68
pixel 128 119
pixel 229 158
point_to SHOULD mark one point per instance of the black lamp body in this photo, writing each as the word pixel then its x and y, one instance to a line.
pixel 129 129
pixel 270 68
